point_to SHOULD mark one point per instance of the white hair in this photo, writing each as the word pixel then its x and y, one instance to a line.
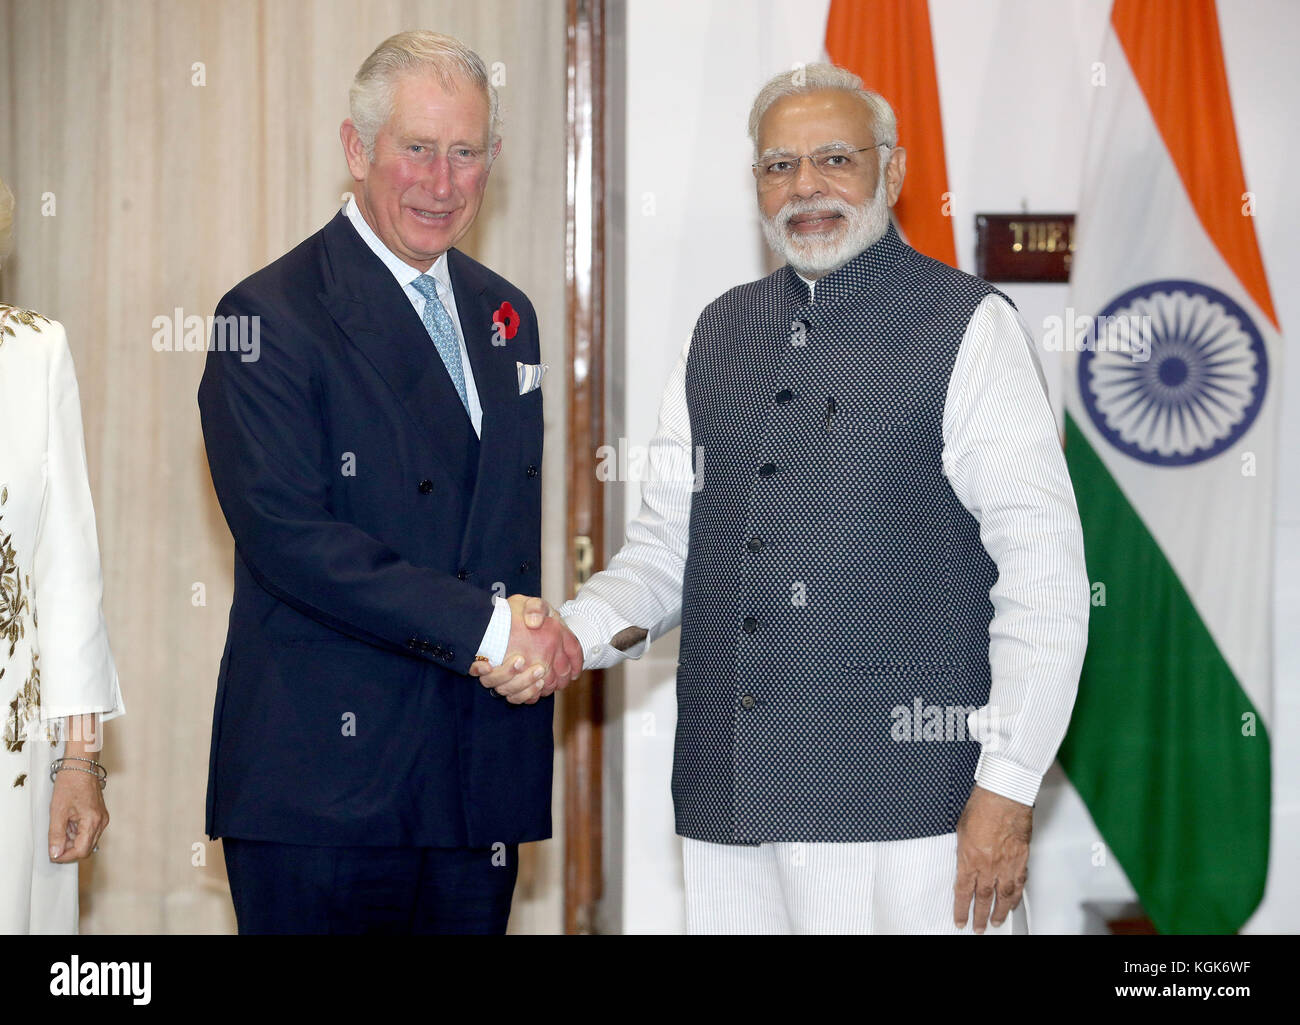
pixel 371 95
pixel 807 78
pixel 6 219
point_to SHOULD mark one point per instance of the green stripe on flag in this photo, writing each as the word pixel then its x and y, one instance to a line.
pixel 1156 746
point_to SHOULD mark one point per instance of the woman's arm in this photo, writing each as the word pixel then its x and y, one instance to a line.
pixel 78 816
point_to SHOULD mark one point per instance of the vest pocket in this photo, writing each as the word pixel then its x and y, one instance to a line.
pixel 869 414
pixel 884 733
pixel 899 665
pixel 907 701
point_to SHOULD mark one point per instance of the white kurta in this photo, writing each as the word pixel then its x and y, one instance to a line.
pixel 54 655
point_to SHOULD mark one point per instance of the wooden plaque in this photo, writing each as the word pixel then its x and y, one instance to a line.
pixel 1024 247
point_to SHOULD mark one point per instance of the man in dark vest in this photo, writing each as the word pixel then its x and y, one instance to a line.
pixel 870 540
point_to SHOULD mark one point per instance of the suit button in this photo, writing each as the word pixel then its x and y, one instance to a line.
pixel 524 567
pixel 749 624
pixel 748 701
pixel 462 575
pixel 426 486
pixel 784 395
pixel 754 544
pixel 767 469
pixel 532 471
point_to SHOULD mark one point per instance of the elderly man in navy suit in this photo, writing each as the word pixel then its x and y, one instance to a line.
pixel 379 466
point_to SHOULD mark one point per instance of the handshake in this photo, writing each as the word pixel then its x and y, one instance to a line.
pixel 543 655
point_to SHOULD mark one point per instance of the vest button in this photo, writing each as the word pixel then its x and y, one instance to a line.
pixel 749 624
pixel 426 486
pixel 532 471
pixel 461 575
pixel 784 395
pixel 524 567
pixel 748 701
pixel 767 469
pixel 754 544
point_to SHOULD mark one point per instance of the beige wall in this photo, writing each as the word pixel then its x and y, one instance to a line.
pixel 166 194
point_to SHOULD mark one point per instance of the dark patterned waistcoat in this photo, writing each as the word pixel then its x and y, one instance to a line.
pixel 835 587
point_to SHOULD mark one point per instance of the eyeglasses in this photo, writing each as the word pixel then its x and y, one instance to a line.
pixel 835 164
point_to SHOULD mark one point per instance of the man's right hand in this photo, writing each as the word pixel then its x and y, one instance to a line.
pixel 543 654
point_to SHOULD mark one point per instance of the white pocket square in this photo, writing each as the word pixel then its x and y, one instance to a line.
pixel 530 376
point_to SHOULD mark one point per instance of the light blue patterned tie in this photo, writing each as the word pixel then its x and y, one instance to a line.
pixel 438 323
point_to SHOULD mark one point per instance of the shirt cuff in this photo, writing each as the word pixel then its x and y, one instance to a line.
pixel 497 635
pixel 1007 778
pixel 597 652
pixel 51 713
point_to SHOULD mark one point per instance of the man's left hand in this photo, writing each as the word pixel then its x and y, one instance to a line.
pixel 992 857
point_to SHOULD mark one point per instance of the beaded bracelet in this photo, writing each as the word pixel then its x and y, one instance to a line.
pixel 99 772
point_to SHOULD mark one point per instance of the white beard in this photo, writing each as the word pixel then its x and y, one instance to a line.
pixel 815 257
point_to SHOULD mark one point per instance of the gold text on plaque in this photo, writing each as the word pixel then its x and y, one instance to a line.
pixel 1042 236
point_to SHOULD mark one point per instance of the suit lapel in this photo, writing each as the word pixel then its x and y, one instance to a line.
pixel 495 376
pixel 371 309
pixel 497 382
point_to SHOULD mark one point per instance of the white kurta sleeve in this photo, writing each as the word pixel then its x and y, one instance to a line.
pixel 1003 458
pixel 642 585
pixel 78 674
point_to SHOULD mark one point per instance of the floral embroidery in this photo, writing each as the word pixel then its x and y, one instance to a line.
pixel 23 720
pixel 14 601
pixel 27 318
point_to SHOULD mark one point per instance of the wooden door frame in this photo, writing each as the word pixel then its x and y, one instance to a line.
pixel 582 706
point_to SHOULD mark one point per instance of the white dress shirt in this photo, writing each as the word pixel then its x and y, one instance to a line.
pixel 405 274
pixel 497 635
pixel 1003 459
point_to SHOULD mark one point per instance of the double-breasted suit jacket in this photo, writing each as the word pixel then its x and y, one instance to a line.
pixel 372 527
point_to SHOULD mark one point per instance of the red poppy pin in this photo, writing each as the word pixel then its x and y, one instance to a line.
pixel 508 319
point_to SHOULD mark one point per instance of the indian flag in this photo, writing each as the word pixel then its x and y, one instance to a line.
pixel 888 44
pixel 1171 437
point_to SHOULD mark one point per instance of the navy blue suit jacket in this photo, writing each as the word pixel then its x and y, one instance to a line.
pixel 371 525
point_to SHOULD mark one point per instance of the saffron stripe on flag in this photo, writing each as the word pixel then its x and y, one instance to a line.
pixel 888 44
